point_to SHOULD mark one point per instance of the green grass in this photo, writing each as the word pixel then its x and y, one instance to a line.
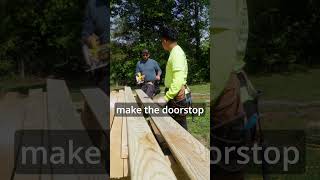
pixel 311 173
pixel 200 128
pixel 302 86
pixel 196 88
pixel 200 88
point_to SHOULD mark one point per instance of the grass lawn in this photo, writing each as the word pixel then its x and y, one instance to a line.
pixel 203 89
pixel 302 86
pixel 200 128
pixel 311 171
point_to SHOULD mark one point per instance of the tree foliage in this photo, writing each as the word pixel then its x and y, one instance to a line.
pixel 137 24
pixel 43 35
pixel 283 38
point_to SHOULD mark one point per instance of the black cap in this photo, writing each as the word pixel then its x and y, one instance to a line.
pixel 169 33
pixel 145 51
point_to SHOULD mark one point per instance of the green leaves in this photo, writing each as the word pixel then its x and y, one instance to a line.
pixel 138 25
pixel 42 33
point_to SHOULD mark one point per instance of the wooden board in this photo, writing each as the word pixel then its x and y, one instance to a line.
pixel 61 113
pixel 125 167
pixel 116 162
pixel 177 169
pixel 97 135
pixel 113 100
pixel 46 142
pixel 95 117
pixel 98 102
pixel 158 135
pixel 34 119
pixel 11 118
pixel 124 147
pixel 146 159
pixel 193 156
pixel 124 138
pixel 124 143
pixel 61 116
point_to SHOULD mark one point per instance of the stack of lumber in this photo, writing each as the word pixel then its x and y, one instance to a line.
pixel 44 112
pixel 118 139
pixel 140 141
pixel 138 144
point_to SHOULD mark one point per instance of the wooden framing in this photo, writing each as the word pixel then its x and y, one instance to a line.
pixel 193 156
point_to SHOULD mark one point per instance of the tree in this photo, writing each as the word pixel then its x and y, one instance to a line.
pixel 39 37
pixel 136 25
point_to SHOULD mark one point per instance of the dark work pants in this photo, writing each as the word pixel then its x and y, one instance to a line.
pixel 149 89
pixel 179 102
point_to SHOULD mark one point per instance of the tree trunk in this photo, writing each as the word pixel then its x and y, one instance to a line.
pixel 22 68
pixel 197 27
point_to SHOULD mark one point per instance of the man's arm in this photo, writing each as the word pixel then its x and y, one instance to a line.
pixel 158 70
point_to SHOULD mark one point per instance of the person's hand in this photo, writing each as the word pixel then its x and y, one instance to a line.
pixel 161 101
pixel 158 78
pixel 138 80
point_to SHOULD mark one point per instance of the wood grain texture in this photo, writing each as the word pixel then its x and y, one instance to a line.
pixel 35 116
pixel 124 139
pixel 125 167
pixel 124 147
pixel 116 162
pixel 46 137
pixel 124 143
pixel 98 102
pixel 113 100
pixel 12 115
pixel 193 156
pixel 177 169
pixel 146 160
pixel 157 134
pixel 95 118
pixel 61 116
pixel 61 113
pixel 34 120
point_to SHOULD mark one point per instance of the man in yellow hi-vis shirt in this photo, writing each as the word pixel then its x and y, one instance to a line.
pixel 233 96
pixel 176 75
